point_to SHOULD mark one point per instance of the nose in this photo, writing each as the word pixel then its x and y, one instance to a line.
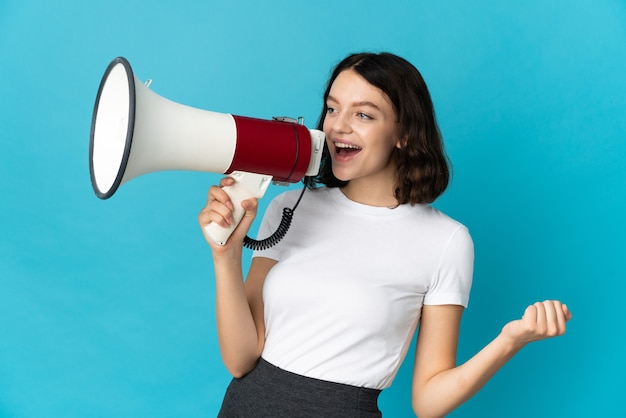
pixel 338 123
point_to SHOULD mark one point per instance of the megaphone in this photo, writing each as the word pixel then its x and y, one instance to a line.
pixel 134 131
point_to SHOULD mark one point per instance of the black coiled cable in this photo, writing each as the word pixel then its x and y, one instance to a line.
pixel 280 232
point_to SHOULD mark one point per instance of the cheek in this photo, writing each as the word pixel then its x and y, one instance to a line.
pixel 326 127
pixel 394 140
pixel 388 140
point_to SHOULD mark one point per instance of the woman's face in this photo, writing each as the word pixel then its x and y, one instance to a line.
pixel 361 130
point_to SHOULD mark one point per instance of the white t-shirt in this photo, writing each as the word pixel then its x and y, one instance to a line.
pixel 343 302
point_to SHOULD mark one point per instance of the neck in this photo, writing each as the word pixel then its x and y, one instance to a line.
pixel 370 194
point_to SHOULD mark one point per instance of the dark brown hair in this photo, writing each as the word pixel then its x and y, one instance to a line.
pixel 423 171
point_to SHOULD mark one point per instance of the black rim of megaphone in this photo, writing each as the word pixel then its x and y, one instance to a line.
pixel 129 131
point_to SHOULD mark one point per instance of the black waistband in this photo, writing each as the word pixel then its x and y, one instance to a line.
pixel 271 391
pixel 354 396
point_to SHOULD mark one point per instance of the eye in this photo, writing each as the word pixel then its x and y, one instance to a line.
pixel 363 116
pixel 330 110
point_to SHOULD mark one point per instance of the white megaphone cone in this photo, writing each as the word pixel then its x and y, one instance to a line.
pixel 134 131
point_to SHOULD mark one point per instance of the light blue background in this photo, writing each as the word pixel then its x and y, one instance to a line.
pixel 107 307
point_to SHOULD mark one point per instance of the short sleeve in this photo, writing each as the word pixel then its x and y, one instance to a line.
pixel 452 284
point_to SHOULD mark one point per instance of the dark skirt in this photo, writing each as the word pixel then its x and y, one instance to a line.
pixel 268 391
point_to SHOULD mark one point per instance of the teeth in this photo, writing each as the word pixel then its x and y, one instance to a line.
pixel 350 146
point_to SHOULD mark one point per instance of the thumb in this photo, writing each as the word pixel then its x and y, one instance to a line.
pixel 250 207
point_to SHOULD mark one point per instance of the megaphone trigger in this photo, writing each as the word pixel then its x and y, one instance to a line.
pixel 247 185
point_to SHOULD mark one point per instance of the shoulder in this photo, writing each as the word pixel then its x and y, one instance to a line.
pixel 437 221
pixel 442 217
pixel 459 231
pixel 300 196
pixel 428 230
pixel 293 194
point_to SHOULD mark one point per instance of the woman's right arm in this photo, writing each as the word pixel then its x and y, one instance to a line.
pixel 239 304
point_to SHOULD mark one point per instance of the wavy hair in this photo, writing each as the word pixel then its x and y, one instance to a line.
pixel 422 167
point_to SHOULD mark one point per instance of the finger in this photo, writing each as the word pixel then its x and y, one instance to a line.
pixel 218 194
pixel 227 181
pixel 218 209
pixel 566 312
pixel 215 214
pixel 552 320
pixel 530 317
pixel 541 324
pixel 561 319
pixel 563 315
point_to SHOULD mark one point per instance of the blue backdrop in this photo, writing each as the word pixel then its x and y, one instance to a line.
pixel 107 307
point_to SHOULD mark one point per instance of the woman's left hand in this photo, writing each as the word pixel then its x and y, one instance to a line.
pixel 540 321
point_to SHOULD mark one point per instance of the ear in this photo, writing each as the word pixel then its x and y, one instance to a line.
pixel 401 143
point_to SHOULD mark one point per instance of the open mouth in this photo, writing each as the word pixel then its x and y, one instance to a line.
pixel 346 149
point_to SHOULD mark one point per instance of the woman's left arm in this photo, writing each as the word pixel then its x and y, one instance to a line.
pixel 439 386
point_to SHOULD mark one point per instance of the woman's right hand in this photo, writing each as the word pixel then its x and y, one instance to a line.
pixel 219 209
pixel 238 302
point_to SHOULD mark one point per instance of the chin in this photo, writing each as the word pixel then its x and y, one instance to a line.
pixel 341 176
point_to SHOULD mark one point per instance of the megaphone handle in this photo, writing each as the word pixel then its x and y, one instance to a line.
pixel 247 185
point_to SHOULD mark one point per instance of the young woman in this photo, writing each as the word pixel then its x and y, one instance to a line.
pixel 324 318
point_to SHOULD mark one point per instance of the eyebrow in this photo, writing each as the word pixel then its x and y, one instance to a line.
pixel 361 103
